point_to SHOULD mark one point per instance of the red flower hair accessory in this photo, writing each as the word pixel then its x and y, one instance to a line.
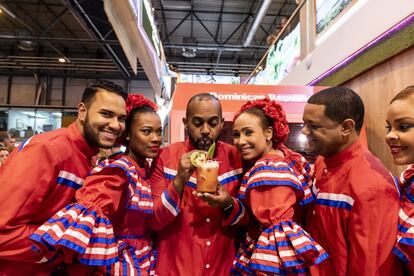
pixel 137 100
pixel 275 112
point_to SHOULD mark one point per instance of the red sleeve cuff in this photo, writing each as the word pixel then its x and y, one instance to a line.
pixel 238 212
pixel 171 200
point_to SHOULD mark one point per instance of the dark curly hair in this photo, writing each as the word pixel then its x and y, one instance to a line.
pixel 93 87
pixel 271 114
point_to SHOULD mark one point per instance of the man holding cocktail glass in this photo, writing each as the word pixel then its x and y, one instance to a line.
pixel 195 242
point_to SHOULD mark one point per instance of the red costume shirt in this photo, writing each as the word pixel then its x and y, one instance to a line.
pixel 38 179
pixel 109 226
pixel 355 215
pixel 274 189
pixel 195 242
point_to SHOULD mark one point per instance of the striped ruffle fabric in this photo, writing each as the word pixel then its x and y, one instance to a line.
pixel 82 229
pixel 133 261
pixel 405 236
pixel 405 183
pixel 284 248
pixel 269 173
pixel 139 190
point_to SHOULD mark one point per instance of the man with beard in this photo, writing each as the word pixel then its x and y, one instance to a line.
pixel 42 175
pixel 195 242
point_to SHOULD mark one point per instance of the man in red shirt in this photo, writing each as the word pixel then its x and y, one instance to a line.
pixel 355 216
pixel 42 175
pixel 195 242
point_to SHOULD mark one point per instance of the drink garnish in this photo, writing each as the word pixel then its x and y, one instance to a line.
pixel 198 158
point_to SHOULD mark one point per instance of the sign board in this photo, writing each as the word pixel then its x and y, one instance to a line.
pixel 233 96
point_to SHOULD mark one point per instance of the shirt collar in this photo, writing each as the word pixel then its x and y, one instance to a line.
pixel 345 155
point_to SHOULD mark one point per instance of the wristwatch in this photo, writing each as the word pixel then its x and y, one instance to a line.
pixel 227 210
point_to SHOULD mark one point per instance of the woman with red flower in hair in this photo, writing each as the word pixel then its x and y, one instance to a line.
pixel 109 226
pixel 274 188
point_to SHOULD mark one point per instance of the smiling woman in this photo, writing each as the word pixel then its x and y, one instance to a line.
pixel 400 139
pixel 115 204
pixel 274 187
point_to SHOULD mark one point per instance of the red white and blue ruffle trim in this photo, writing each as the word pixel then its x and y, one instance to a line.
pixel 82 229
pixel 284 248
pixel 405 236
pixel 140 197
pixel 279 173
pixel 133 261
pixel 90 237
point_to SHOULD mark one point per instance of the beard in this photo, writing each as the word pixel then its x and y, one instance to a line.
pixel 202 143
pixel 91 136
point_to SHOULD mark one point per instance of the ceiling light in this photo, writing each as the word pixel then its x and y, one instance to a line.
pixel 62 60
pixel 26 45
pixel 189 52
pixel 6 11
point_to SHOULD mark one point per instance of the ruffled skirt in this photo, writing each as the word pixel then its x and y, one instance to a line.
pixel 282 249
pixel 81 233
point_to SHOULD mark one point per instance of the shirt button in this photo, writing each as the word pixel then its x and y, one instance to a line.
pixel 208 243
pixel 207 220
pixel 207 265
pixel 313 212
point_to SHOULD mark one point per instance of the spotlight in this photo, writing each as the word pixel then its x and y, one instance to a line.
pixel 62 60
pixel 6 11
pixel 189 52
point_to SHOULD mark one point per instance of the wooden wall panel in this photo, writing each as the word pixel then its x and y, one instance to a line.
pixel 376 88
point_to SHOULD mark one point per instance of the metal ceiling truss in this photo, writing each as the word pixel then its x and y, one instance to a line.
pixel 218 49
pixel 60 32
pixel 58 39
pixel 88 25
pixel 275 20
pixel 80 31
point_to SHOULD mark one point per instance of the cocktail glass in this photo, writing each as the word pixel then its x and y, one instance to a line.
pixel 207 177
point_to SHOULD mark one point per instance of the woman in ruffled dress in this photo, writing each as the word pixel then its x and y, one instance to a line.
pixel 274 188
pixel 400 139
pixel 109 225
